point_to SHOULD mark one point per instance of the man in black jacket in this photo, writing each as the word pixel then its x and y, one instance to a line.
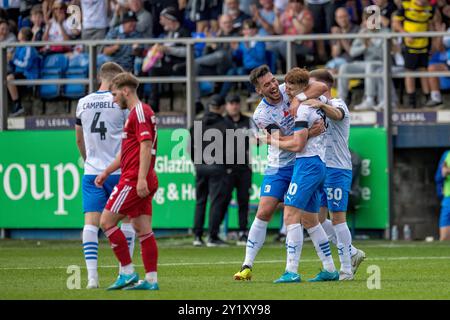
pixel 208 151
pixel 240 175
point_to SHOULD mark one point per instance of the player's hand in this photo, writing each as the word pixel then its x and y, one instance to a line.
pixel 142 188
pixel 313 103
pixel 295 103
pixel 100 179
pixel 316 129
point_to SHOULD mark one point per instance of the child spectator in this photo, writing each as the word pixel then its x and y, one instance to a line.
pixel 24 65
pixel 38 23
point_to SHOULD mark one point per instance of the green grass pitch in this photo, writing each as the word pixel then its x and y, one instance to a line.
pixel 407 270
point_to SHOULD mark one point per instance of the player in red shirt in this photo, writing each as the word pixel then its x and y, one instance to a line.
pixel 132 196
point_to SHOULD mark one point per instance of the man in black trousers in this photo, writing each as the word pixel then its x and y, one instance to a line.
pixel 240 175
pixel 208 151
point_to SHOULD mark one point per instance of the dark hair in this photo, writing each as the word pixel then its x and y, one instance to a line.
pixel 322 75
pixel 257 73
pixel 249 23
pixel 125 79
pixel 26 33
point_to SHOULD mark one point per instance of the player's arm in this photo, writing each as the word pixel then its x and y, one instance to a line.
pixel 334 113
pixel 145 158
pixel 114 166
pixel 80 141
pixel 293 143
pixel 314 90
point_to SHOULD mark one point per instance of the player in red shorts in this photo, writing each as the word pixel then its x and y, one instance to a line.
pixel 132 196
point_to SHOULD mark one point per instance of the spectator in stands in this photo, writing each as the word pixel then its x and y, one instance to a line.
pixel 340 49
pixel 387 8
pixel 264 18
pixel 155 7
pixel 144 19
pixel 24 65
pixel 371 49
pixel 123 54
pixel 251 53
pixel 280 5
pixel 231 8
pixel 174 53
pixel 12 8
pixel 59 29
pixel 246 5
pixel 439 61
pixel 295 20
pixel 415 16
pixel 25 11
pixel 38 23
pixel 205 14
pixel 94 19
pixel 6 36
pixel 323 17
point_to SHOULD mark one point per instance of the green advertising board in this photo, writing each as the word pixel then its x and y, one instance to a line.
pixel 40 180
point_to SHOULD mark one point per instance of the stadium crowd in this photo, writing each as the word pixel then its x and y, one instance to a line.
pixel 49 20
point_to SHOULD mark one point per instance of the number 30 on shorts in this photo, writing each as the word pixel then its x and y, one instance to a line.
pixel 334 194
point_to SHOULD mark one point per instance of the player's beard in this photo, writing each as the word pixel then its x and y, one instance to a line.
pixel 123 103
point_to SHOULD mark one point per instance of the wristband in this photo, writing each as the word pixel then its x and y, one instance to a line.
pixel 302 97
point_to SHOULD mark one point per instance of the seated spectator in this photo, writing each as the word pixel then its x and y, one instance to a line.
pixel 415 16
pixel 38 23
pixel 144 23
pixel 440 61
pixel 264 18
pixel 59 29
pixel 205 14
pixel 372 51
pixel 6 36
pixel 231 7
pixel 340 49
pixel 94 19
pixel 295 20
pixel 218 55
pixel 174 53
pixel 123 54
pixel 251 53
pixel 24 65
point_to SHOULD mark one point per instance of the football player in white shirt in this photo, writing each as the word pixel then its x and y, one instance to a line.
pixel 338 177
pixel 302 200
pixel 99 127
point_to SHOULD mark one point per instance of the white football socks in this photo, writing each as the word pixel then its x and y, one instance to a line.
pixel 331 233
pixel 90 248
pixel 322 245
pixel 294 244
pixel 344 239
pixel 255 240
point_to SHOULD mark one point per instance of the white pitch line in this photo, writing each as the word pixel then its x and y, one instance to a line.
pixel 227 263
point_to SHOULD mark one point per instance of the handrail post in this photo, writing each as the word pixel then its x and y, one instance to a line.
pixel 3 91
pixel 92 67
pixel 387 78
pixel 190 85
pixel 289 56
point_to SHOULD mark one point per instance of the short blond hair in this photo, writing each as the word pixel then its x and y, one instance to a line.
pixel 125 79
pixel 297 76
pixel 109 70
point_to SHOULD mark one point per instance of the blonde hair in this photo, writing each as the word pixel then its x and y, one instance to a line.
pixel 109 70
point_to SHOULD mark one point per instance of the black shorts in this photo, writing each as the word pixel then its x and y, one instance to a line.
pixel 18 76
pixel 414 61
